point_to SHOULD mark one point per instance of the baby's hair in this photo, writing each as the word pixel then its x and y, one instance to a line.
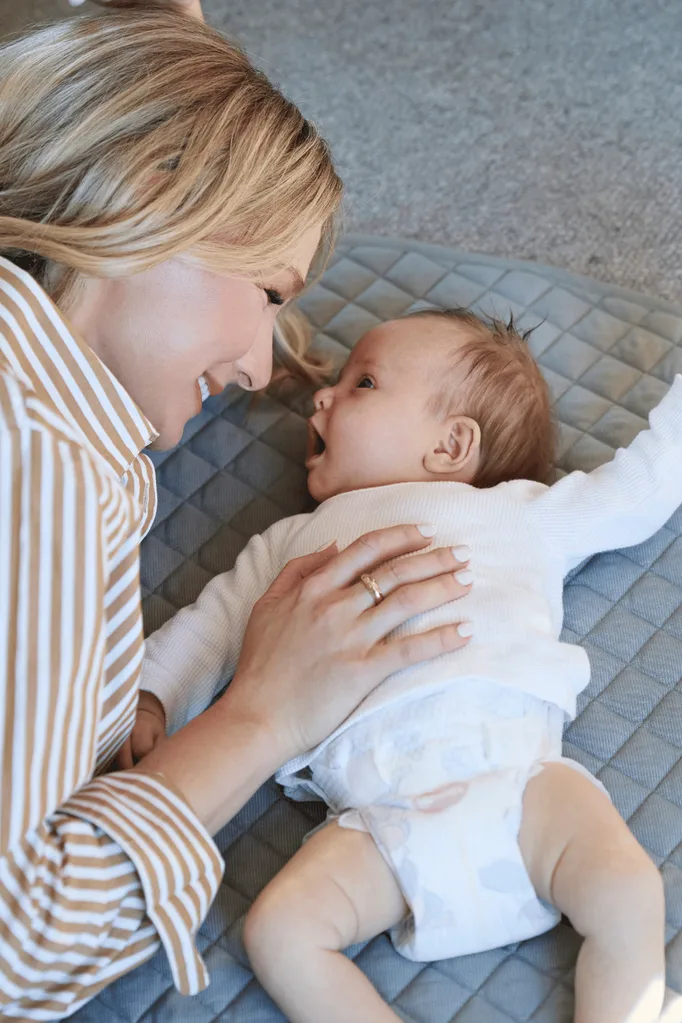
pixel 504 392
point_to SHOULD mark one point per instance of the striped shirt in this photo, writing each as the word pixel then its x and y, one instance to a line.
pixel 96 870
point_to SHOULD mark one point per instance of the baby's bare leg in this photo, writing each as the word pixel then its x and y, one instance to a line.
pixel 582 858
pixel 337 890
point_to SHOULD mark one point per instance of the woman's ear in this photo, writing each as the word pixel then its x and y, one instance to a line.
pixel 457 451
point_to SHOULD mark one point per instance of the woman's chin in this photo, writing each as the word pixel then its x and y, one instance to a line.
pixel 172 427
pixel 170 435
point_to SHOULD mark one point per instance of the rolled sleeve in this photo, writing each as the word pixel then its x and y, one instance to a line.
pixel 178 865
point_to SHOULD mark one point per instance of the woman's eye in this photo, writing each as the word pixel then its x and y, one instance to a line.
pixel 365 382
pixel 274 297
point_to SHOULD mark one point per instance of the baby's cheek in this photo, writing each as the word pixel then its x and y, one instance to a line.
pixel 369 467
pixel 388 455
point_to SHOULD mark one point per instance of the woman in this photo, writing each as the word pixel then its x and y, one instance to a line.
pixel 169 201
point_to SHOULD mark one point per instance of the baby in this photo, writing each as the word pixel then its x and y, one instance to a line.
pixel 455 823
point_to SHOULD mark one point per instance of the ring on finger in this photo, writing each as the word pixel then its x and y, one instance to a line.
pixel 370 584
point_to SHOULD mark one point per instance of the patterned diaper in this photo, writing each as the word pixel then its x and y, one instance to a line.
pixel 438 783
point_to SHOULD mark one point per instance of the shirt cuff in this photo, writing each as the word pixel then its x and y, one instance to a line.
pixel 178 864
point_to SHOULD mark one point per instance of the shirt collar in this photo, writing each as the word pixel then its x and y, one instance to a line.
pixel 54 362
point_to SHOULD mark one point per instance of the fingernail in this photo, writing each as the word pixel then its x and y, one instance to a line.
pixel 464 576
pixel 465 629
pixel 462 553
pixel 426 529
pixel 325 546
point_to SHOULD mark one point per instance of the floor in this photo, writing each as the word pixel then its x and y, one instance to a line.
pixel 540 129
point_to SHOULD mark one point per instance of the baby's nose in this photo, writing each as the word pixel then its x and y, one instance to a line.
pixel 322 398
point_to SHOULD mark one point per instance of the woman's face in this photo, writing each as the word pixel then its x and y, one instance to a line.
pixel 160 330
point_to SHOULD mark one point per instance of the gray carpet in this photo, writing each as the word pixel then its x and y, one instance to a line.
pixel 539 129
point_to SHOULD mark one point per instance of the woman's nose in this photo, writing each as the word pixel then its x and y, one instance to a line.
pixel 254 370
pixel 322 399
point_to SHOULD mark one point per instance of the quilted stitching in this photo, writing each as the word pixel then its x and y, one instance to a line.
pixel 608 356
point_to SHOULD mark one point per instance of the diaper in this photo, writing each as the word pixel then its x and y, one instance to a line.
pixel 438 783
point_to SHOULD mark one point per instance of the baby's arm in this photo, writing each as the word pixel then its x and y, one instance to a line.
pixel 191 654
pixel 625 501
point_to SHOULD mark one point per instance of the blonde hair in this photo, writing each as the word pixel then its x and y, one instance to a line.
pixel 503 391
pixel 130 139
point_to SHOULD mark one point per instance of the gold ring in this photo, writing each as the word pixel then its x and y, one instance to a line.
pixel 371 584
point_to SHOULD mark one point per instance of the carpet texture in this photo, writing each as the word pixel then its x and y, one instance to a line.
pixel 536 129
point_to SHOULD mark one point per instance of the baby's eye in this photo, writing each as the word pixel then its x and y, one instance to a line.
pixel 365 382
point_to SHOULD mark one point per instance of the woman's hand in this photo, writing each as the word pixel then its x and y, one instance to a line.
pixel 316 645
pixel 192 7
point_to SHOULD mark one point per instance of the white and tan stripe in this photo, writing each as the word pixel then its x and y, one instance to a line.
pixel 94 871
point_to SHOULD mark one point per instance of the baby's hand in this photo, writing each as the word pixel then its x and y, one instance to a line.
pixel 149 727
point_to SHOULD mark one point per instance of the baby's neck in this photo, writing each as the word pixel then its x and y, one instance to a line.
pixel 395 483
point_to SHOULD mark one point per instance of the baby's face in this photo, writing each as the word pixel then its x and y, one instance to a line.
pixel 373 425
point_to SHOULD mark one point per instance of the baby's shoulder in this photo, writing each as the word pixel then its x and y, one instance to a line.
pixel 521 491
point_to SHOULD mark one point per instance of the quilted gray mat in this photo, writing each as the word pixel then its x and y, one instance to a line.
pixel 608 356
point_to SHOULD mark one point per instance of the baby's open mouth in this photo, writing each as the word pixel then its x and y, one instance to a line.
pixel 316 444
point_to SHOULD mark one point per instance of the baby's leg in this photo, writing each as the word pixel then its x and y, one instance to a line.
pixel 337 890
pixel 582 858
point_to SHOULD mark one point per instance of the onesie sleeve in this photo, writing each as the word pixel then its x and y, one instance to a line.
pixel 192 654
pixel 623 502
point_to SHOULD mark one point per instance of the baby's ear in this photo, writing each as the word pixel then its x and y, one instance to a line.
pixel 457 450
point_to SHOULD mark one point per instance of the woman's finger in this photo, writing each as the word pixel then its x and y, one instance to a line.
pixel 372 550
pixel 408 601
pixel 409 650
pixel 415 569
pixel 192 7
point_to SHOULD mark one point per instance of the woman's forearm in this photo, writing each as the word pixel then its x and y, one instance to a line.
pixel 217 761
